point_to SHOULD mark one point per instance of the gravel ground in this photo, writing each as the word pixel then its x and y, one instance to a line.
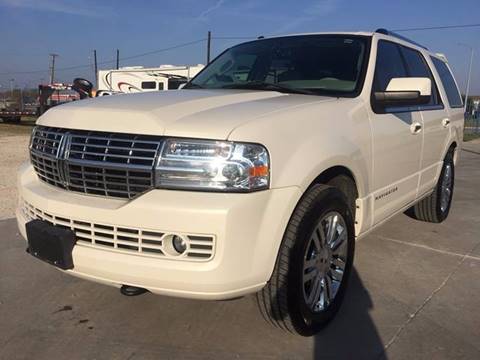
pixel 13 145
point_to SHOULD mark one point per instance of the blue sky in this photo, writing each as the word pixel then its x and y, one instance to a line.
pixel 31 29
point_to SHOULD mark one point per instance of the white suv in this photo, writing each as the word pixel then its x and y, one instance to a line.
pixel 258 176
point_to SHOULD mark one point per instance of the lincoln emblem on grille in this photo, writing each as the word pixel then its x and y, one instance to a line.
pixel 62 156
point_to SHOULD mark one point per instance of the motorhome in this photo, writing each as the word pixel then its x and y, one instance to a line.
pixel 140 79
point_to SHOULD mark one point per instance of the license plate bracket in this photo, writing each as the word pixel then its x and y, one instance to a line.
pixel 49 243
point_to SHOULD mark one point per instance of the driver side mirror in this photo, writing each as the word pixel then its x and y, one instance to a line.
pixel 409 91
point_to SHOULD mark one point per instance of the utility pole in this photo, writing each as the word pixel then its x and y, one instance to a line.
pixel 468 79
pixel 209 44
pixel 52 68
pixel 11 88
pixel 21 99
pixel 467 90
pixel 95 66
pixel 118 58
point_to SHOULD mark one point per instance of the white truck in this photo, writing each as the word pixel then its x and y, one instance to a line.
pixel 133 79
pixel 257 177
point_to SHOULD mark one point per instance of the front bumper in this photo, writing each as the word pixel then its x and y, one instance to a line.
pixel 247 230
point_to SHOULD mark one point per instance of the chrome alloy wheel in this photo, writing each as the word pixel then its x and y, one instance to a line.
pixel 446 187
pixel 324 261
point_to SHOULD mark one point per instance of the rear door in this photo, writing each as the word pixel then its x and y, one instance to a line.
pixel 450 94
pixel 397 148
pixel 435 121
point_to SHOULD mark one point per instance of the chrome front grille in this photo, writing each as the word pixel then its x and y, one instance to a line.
pixel 47 169
pixel 124 239
pixel 47 140
pixel 44 152
pixel 113 148
pixel 92 162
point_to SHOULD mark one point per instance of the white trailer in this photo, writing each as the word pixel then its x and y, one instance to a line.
pixel 139 79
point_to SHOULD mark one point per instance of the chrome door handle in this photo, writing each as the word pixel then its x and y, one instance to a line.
pixel 445 122
pixel 415 128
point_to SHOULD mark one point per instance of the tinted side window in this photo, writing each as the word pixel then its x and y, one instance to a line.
pixel 417 67
pixel 149 85
pixel 451 89
pixel 160 86
pixel 389 65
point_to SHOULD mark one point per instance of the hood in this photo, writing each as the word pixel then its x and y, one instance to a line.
pixel 195 113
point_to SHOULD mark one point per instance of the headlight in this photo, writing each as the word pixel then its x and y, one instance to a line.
pixel 212 165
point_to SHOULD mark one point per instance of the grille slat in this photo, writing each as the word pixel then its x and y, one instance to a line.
pixel 111 147
pixel 143 242
pixel 107 155
pixel 92 162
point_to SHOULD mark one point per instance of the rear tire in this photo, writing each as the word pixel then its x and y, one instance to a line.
pixel 436 207
pixel 313 264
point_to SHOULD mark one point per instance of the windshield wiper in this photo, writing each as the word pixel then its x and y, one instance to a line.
pixel 192 86
pixel 260 85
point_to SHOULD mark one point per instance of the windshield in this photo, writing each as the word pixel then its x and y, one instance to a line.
pixel 307 64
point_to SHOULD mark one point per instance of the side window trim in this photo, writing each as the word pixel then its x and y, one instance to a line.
pixel 457 106
pixel 457 88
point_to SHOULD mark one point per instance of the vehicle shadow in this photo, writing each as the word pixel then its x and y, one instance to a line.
pixel 352 333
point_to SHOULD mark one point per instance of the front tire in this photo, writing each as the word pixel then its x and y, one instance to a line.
pixel 313 265
pixel 436 207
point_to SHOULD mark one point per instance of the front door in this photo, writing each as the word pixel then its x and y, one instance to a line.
pixel 397 140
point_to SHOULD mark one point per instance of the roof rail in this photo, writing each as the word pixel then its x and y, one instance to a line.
pixel 398 36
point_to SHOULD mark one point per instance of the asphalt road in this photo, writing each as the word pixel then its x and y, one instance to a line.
pixel 415 294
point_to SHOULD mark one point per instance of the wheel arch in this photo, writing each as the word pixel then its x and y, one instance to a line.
pixel 453 147
pixel 331 169
pixel 328 174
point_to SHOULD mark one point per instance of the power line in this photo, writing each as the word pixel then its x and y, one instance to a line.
pixel 164 49
pixel 439 27
pixel 234 37
pixel 110 61
pixel 462 26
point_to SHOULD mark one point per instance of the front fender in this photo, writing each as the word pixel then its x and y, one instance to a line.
pixel 305 141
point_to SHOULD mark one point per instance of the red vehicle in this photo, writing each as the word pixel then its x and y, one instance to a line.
pixel 48 96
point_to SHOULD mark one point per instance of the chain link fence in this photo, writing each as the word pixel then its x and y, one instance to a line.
pixel 472 123
pixel 472 117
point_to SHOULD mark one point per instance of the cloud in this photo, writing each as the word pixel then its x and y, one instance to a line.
pixel 204 14
pixel 317 9
pixel 322 8
pixel 70 7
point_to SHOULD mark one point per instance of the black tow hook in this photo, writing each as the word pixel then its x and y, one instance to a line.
pixel 128 290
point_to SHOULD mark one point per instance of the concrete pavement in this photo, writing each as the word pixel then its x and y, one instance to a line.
pixel 415 294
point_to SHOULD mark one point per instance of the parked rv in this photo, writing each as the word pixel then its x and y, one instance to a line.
pixel 139 79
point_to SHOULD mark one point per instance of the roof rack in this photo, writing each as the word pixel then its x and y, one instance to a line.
pixel 398 36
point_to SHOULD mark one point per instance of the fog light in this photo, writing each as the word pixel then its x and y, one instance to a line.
pixel 179 244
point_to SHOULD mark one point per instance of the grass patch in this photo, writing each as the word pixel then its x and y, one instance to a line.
pixel 470 136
